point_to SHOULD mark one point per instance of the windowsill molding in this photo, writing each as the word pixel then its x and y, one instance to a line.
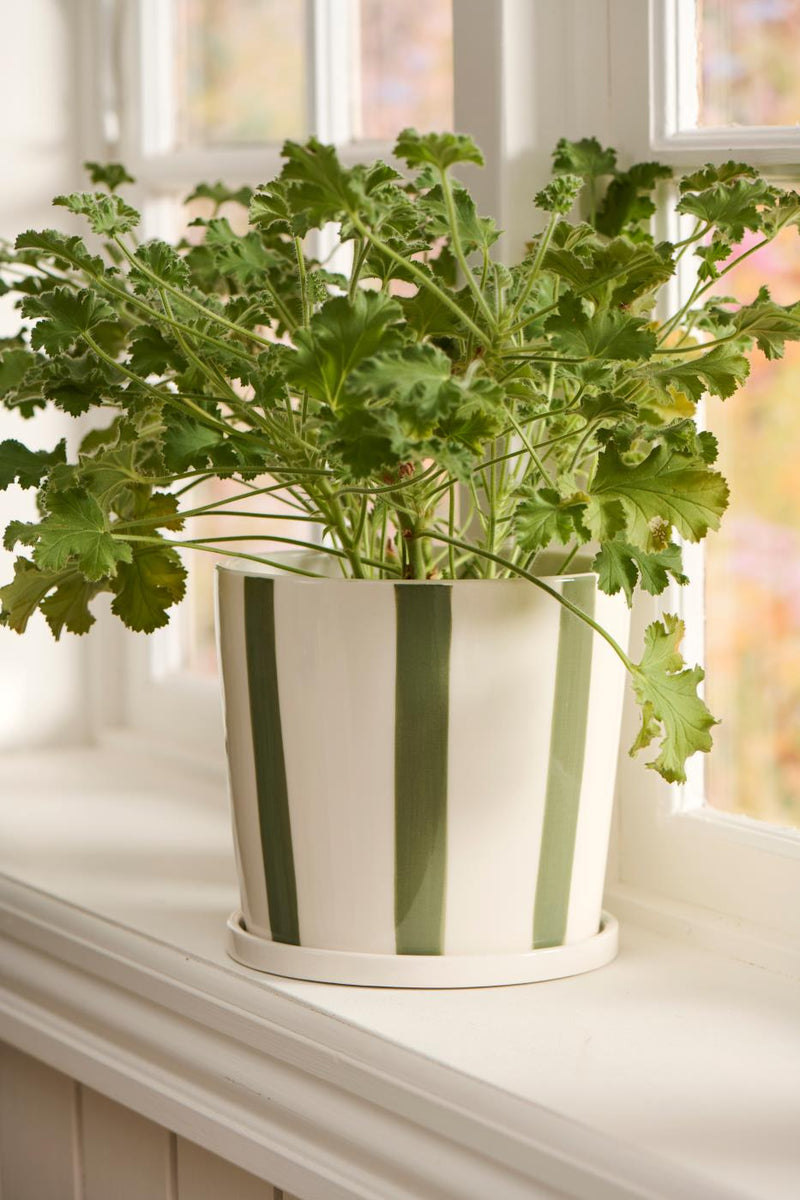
pixel 667 1074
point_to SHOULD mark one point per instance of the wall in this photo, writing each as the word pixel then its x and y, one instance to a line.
pixel 62 1141
pixel 40 682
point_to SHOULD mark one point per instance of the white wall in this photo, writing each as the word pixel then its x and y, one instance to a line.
pixel 40 682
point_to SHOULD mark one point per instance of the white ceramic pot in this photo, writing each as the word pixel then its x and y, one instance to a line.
pixel 421 775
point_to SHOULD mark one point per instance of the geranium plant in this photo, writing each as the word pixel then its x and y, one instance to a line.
pixel 437 413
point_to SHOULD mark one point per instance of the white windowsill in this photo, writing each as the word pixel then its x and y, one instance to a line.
pixel 673 1072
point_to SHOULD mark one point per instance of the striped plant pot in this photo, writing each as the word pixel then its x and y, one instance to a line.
pixel 421 776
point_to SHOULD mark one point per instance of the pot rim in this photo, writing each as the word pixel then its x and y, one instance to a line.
pixel 256 570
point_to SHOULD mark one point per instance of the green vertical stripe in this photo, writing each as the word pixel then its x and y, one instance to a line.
pixel 565 770
pixel 273 798
pixel 420 772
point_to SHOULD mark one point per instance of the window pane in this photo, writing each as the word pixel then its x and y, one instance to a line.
pixel 240 71
pixel 406 66
pixel 753 571
pixel 749 52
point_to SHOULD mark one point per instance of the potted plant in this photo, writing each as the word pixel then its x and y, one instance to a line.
pixel 423 677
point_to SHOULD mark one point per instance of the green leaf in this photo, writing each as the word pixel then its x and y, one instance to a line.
pixel 163 261
pixel 107 214
pixel 147 586
pixel 586 158
pixel 65 250
pixel 440 150
pixel 627 202
pixel 720 371
pixel 769 324
pixel 321 189
pixel 665 488
pixel 242 257
pixel 75 531
pixel 219 193
pixel 711 173
pixel 21 597
pixel 271 208
pixel 152 354
pixel 111 175
pixel 340 336
pixel 26 467
pixel 612 335
pixel 23 533
pixel 76 383
pixel 620 566
pixel 732 207
pixel 671 707
pixel 21 381
pixel 188 443
pixel 67 315
pixel 559 195
pixel 541 519
pixel 475 233
pixel 413 377
pixel 67 606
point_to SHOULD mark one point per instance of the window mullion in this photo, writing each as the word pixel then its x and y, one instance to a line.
pixel 333 33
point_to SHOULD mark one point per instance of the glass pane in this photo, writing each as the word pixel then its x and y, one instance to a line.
pixel 753 571
pixel 406 66
pixel 240 71
pixel 748 53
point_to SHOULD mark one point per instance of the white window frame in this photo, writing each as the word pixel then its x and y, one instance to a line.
pixel 527 73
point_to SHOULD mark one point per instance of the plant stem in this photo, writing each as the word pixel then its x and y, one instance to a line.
pixel 422 278
pixel 458 249
pixel 545 587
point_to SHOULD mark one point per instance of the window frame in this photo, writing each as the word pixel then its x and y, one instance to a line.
pixel 623 87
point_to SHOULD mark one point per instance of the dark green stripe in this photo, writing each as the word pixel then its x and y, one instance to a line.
pixel 273 798
pixel 565 770
pixel 420 771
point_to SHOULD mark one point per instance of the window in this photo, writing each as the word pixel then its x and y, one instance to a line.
pixel 727 840
pixel 518 76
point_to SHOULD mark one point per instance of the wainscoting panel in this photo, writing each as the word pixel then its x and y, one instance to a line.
pixel 39 1157
pixel 125 1156
pixel 62 1141
pixel 205 1176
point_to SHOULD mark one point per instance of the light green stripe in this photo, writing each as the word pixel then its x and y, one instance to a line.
pixel 420 774
pixel 565 770
pixel 270 768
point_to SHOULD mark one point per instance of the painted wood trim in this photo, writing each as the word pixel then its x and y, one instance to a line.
pixel 322 1109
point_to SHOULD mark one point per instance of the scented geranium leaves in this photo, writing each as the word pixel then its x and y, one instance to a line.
pixel 66 316
pixel 77 531
pixel 62 248
pixel 543 518
pixel 666 489
pixel 720 372
pixel 604 334
pixel 111 175
pixel 671 708
pixel 440 150
pixel 147 586
pixel 620 566
pixel 731 207
pixel 340 336
pixel 319 189
pixel 439 413
pixel 107 213
pixel 770 325
pixel 26 467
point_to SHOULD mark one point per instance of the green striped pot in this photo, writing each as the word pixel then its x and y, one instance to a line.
pixel 421 776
